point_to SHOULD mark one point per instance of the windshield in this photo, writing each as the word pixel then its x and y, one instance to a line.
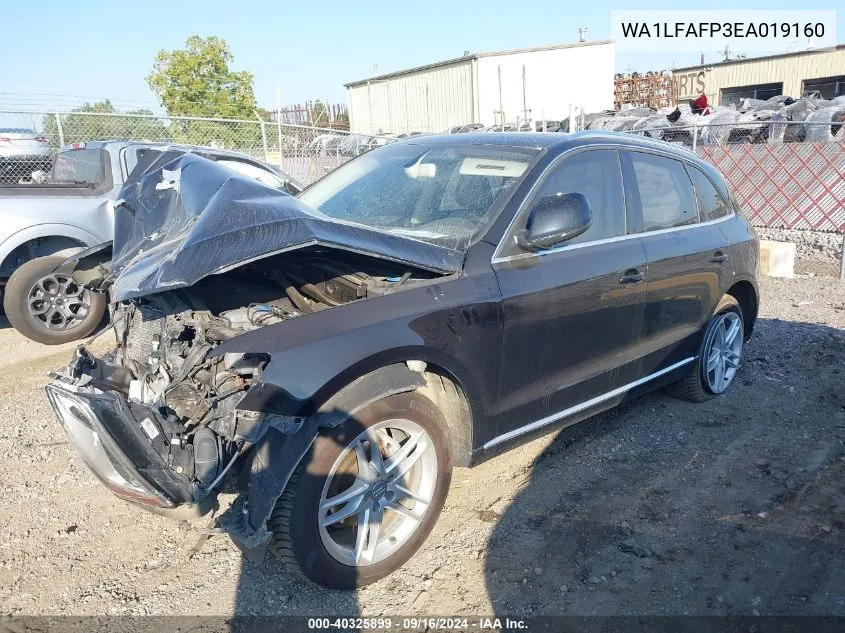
pixel 79 166
pixel 426 191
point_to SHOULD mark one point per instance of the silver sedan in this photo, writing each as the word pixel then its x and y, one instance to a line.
pixel 23 151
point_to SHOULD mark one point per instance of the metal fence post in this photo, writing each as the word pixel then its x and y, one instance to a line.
pixel 60 130
pixel 694 136
pixel 842 256
pixel 263 135
pixel 279 121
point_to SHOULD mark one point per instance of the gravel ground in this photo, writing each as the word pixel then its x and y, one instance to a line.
pixel 735 506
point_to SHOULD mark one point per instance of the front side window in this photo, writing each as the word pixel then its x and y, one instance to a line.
pixel 711 204
pixel 666 195
pixel 443 194
pixel 596 175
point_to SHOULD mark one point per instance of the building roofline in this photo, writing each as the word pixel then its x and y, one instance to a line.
pixel 746 60
pixel 458 60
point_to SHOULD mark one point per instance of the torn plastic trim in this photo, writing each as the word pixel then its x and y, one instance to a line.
pixel 88 264
pixel 283 446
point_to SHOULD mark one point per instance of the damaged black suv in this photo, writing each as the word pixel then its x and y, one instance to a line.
pixel 330 357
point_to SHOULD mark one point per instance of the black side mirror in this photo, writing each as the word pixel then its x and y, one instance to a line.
pixel 554 219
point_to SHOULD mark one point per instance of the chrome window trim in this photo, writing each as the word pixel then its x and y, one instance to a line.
pixel 685 164
pixel 504 437
pixel 607 240
pixel 707 177
pixel 498 258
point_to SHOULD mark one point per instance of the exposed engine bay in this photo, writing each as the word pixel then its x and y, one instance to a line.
pixel 202 256
pixel 164 341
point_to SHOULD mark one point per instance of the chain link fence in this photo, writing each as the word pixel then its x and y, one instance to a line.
pixel 29 141
pixel 785 174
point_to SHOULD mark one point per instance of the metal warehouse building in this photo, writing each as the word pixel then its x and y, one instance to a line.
pixel 513 86
pixel 792 74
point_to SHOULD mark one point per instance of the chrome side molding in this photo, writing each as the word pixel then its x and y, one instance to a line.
pixel 504 437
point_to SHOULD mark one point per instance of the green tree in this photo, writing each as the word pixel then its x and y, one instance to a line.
pixel 265 115
pixel 197 81
pixel 319 114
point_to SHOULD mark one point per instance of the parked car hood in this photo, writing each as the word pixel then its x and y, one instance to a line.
pixel 181 217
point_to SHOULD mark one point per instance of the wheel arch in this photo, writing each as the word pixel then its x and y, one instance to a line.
pixel 447 393
pixel 29 244
pixel 430 379
pixel 747 297
pixel 345 380
pixel 279 455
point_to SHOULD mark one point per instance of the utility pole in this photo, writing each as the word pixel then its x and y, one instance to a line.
pixel 501 107
pixel 279 119
pixel 525 113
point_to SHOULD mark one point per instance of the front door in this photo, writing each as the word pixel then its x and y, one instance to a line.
pixel 572 313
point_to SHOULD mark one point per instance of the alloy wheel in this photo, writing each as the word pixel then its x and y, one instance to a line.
pixel 377 492
pixel 722 352
pixel 59 302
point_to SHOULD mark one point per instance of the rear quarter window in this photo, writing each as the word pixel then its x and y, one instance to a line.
pixel 666 194
pixel 711 204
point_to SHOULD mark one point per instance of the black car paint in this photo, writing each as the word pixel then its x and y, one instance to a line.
pixel 532 341
pixel 518 337
pixel 451 323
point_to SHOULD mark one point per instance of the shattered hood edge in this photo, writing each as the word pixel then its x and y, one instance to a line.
pixel 182 217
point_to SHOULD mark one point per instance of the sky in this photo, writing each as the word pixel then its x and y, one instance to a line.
pixel 60 54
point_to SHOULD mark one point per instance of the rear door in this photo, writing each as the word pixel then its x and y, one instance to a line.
pixel 686 255
pixel 572 313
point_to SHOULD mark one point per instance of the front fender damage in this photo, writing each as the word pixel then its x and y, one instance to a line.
pixel 283 441
pixel 270 465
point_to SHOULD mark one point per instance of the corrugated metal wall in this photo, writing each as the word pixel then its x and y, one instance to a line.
pixel 430 100
pixel 545 84
pixel 792 71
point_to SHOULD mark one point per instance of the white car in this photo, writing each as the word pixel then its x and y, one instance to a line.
pixel 22 152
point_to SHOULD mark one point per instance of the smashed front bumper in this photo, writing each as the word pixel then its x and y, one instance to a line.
pixel 117 441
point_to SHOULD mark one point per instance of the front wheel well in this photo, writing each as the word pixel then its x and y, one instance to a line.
pixel 746 297
pixel 450 398
pixel 38 247
pixel 429 380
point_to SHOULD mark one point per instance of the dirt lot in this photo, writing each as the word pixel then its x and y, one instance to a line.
pixel 736 506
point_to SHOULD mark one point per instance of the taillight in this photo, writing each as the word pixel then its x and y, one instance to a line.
pixel 77 145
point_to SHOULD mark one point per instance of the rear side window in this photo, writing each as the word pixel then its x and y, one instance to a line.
pixel 596 175
pixel 79 166
pixel 666 194
pixel 711 204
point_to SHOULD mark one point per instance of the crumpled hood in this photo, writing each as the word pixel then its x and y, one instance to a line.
pixel 183 217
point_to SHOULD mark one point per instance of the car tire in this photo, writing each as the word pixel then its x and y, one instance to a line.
pixel 76 315
pixel 314 548
pixel 702 384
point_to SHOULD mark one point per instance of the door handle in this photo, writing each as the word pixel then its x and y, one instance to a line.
pixel 718 257
pixel 631 276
